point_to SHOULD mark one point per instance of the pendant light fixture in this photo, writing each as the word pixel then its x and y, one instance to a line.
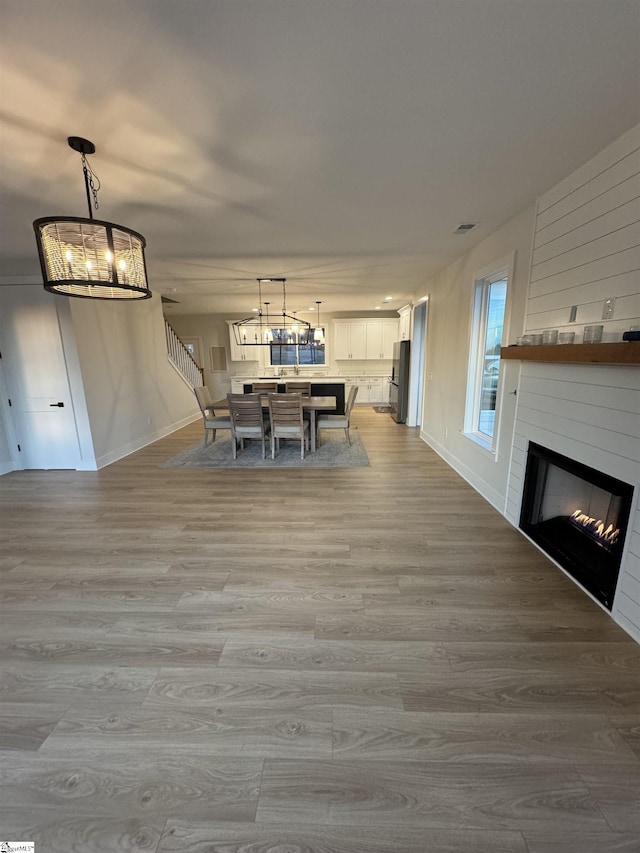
pixel 90 258
pixel 263 329
pixel 318 333
pixel 268 332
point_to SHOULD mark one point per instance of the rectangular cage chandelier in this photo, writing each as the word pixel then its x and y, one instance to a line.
pixel 264 327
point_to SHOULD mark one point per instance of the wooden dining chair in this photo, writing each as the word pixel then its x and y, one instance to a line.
pixel 339 421
pixel 264 387
pixel 247 421
pixel 212 422
pixel 303 388
pixel 285 414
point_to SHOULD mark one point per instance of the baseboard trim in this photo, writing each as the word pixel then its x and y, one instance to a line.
pixel 6 468
pixel 87 466
pixel 490 494
pixel 144 441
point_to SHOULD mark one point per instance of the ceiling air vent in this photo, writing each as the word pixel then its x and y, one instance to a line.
pixel 465 227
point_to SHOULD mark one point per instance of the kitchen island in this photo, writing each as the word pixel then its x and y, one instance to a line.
pixel 324 387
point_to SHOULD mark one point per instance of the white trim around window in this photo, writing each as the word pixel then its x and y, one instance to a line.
pixel 490 313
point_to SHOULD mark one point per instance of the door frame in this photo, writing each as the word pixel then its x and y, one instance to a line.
pixel 419 315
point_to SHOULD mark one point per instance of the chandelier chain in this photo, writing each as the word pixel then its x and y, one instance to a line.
pixel 92 180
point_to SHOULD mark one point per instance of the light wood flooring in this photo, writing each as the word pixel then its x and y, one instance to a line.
pixel 363 660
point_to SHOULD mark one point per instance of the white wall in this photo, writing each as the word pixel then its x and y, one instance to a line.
pixel 447 357
pixel 133 394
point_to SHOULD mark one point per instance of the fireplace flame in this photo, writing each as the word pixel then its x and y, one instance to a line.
pixel 607 534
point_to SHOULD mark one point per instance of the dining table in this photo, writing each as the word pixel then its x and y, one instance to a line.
pixel 309 404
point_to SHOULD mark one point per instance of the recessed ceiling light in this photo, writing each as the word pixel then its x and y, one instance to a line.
pixel 377 308
pixel 255 310
pixel 388 298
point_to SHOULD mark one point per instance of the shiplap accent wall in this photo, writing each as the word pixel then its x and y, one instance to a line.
pixel 587 245
pixel 587 249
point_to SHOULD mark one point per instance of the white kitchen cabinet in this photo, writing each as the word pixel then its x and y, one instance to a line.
pixel 390 332
pixel 242 353
pixel 375 389
pixel 405 323
pixel 364 339
pixel 371 389
pixel 381 336
pixel 350 339
pixel 349 382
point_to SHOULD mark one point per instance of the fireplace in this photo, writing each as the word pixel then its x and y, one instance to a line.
pixel 578 516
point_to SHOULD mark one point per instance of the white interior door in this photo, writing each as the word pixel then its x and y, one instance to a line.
pixel 40 408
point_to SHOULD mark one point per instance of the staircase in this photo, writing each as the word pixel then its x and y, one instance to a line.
pixel 181 359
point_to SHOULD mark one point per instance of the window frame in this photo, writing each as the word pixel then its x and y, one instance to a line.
pixel 482 281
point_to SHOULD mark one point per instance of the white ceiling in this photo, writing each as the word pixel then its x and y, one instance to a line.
pixel 337 143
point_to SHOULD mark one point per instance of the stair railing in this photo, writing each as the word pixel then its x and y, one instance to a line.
pixel 182 359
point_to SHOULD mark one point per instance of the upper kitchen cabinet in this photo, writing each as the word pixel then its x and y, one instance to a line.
pixel 364 339
pixel 405 323
pixel 350 339
pixel 381 336
pixel 239 352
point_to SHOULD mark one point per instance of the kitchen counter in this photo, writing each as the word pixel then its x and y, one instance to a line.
pixel 373 386
pixel 303 377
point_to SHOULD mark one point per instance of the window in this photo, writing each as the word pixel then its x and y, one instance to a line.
pixel 490 297
pixel 192 346
pixel 305 354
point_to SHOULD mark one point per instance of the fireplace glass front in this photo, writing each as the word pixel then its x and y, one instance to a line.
pixel 577 515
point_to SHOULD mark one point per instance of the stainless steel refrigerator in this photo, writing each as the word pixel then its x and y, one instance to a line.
pixel 399 382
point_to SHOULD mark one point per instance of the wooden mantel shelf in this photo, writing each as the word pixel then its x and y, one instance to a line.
pixel 619 352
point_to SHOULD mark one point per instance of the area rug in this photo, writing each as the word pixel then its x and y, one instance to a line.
pixel 383 410
pixel 334 452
